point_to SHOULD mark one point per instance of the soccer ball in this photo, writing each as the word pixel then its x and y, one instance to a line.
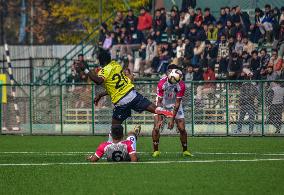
pixel 174 76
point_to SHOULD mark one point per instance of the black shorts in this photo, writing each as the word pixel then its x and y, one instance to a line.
pixel 138 104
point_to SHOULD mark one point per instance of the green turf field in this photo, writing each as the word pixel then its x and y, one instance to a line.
pixel 223 165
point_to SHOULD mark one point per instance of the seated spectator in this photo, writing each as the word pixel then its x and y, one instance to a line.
pixel 192 15
pixel 239 46
pixel 180 49
pixel 161 61
pixel 199 16
pixel 266 25
pixel 264 58
pixel 231 44
pixel 210 54
pixel 256 34
pixel 269 75
pixel 248 46
pixel 275 61
pixel 198 51
pixel 212 34
pixel 279 39
pixel 184 20
pixel 136 37
pixel 255 66
pixel 229 29
pixel 208 17
pixel 174 49
pixel 130 20
pixel 221 30
pixel 144 21
pixel 235 67
pixel 246 58
pixel 188 52
pixel 138 62
pixel 239 28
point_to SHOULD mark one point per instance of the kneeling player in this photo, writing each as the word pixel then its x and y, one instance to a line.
pixel 117 149
pixel 169 96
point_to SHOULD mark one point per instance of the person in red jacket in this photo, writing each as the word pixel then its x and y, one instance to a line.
pixel 206 88
pixel 144 20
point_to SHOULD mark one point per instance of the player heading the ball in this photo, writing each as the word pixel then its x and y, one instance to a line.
pixel 121 89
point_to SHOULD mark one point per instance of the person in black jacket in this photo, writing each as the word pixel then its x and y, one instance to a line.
pixel 248 95
pixel 188 4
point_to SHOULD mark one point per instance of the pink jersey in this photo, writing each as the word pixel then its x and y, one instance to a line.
pixel 116 151
pixel 169 92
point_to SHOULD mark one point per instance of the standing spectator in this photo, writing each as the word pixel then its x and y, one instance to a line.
pixel 174 24
pixel 243 17
pixel 188 4
pixel 207 87
pixel 223 55
pixel 144 21
pixel 130 20
pixel 248 96
pixel 151 52
pixel 223 16
pixel 208 17
pixel 199 16
pixel 118 20
pixel 275 103
pixel 159 24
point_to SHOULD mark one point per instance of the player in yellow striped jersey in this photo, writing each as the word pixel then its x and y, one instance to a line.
pixel 121 90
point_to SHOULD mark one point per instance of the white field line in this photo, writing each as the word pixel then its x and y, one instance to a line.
pixel 198 153
pixel 150 162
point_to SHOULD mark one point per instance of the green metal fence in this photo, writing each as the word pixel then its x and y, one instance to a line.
pixel 220 108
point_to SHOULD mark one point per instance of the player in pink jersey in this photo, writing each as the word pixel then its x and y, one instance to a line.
pixel 169 96
pixel 117 149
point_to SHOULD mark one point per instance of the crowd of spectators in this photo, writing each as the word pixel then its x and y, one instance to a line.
pixel 230 46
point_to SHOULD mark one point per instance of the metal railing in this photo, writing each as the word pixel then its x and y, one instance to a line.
pixel 219 108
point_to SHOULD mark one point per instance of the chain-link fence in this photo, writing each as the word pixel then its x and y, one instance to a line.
pixel 218 108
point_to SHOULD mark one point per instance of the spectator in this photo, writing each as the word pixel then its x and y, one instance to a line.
pixel 174 24
pixel 180 49
pixel 248 96
pixel 275 61
pixel 246 58
pixel 188 76
pixel 198 51
pixel 235 67
pixel 266 26
pixel 136 37
pixel 102 33
pixel 118 20
pixel 107 42
pixel 256 33
pixel 229 29
pixel 239 28
pixel 192 15
pixel 279 39
pixel 212 33
pixel 221 30
pixel 208 17
pixel 140 60
pixel 144 21
pixel 151 52
pixel 184 20
pixel 206 88
pixel 130 20
pixel 243 17
pixel 188 4
pixel 275 105
pixel 128 73
pixel 248 46
pixel 269 74
pixel 199 17
pixel 239 46
pixel 210 54
pixel 159 24
pixel 281 15
pixel 264 58
pixel 223 16
pixel 222 59
pixel 255 66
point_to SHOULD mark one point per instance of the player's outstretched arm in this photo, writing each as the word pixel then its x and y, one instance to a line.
pixel 92 158
pixel 99 96
pixel 133 157
pixel 94 77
